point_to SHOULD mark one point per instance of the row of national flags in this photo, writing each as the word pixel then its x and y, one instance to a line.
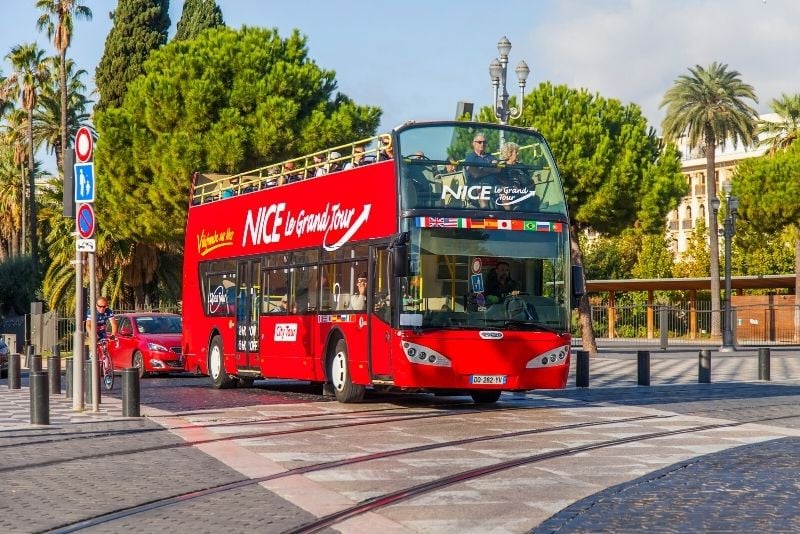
pixel 489 224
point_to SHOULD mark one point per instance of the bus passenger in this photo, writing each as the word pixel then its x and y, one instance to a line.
pixel 289 174
pixel 283 307
pixel 387 150
pixel 358 158
pixel 319 164
pixel 358 300
pixel 334 165
pixel 483 165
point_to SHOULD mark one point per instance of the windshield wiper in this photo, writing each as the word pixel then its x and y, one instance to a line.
pixel 535 324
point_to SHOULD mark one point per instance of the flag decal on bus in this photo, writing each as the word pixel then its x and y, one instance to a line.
pixel 488 224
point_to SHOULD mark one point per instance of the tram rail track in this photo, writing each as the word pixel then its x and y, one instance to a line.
pixel 188 496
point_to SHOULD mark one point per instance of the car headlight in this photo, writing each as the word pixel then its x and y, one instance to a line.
pixel 155 347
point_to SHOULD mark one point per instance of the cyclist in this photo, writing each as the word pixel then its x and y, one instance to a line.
pixel 105 317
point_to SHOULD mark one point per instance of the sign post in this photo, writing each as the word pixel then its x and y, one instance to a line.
pixel 85 224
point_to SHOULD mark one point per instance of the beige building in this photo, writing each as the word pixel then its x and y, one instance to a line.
pixel 694 207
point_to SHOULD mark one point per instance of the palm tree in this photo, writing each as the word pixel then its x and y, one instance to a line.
pixel 778 135
pixel 708 108
pixel 57 22
pixel 30 73
pixel 47 116
pixel 10 202
pixel 14 137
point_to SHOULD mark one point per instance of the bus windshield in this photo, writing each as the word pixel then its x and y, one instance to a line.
pixel 507 278
pixel 491 167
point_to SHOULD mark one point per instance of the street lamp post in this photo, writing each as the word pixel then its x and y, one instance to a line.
pixel 498 71
pixel 728 343
pixel 728 231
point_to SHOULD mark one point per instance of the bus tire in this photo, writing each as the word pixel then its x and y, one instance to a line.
pixel 216 366
pixel 343 387
pixel 485 396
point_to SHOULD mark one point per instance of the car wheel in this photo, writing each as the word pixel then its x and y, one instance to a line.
pixel 343 386
pixel 216 366
pixel 138 362
pixel 485 396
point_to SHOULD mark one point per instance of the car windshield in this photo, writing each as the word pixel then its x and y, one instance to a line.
pixel 158 325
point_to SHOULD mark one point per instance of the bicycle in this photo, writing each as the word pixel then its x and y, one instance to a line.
pixel 106 364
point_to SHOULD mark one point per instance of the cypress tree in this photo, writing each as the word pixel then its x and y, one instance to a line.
pixel 198 15
pixel 140 26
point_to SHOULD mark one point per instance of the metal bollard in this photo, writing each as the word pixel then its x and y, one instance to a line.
pixel 54 372
pixel 704 370
pixel 582 369
pixel 643 367
pixel 763 363
pixel 663 320
pixel 28 355
pixel 68 392
pixel 88 386
pixel 130 392
pixel 35 363
pixel 40 400
pixel 14 381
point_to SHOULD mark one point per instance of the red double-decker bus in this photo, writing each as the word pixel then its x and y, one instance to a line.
pixel 435 260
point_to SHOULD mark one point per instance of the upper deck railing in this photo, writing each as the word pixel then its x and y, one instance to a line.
pixel 209 187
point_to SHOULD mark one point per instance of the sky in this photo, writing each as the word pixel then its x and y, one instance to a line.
pixel 416 59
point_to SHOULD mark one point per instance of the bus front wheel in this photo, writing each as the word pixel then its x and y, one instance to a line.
pixel 216 366
pixel 343 386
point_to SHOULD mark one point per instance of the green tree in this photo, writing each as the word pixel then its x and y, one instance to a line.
pixel 18 283
pixel 31 72
pixel 11 214
pixel 14 176
pixel 708 107
pixel 198 15
pixel 611 257
pixel 769 193
pixel 781 133
pixel 226 101
pixel 694 263
pixel 655 259
pixel 57 21
pixel 140 26
pixel 615 170
pixel 47 128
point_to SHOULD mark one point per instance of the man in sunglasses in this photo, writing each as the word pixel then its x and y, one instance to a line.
pixel 479 164
pixel 105 318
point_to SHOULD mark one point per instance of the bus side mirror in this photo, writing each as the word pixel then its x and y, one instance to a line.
pixel 578 285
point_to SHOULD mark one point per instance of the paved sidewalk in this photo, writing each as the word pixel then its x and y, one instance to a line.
pixel 738 479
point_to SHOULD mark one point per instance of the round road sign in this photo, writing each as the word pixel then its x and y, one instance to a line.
pixel 86 221
pixel 83 144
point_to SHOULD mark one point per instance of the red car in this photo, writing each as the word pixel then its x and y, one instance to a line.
pixel 149 341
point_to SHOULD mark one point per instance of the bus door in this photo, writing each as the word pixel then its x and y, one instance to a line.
pixel 380 357
pixel 247 312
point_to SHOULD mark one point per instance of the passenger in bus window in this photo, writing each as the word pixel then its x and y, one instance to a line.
pixel 358 158
pixel 289 174
pixel 358 300
pixel 500 284
pixel 283 306
pixel 334 165
pixel 483 165
pixel 387 150
pixel 319 165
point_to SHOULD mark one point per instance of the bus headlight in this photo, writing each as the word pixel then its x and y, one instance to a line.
pixel 424 355
pixel 556 356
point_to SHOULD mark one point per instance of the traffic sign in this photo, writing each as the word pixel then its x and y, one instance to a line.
pixel 86 221
pixel 83 144
pixel 86 245
pixel 84 182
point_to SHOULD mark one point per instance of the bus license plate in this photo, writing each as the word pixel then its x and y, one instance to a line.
pixel 487 379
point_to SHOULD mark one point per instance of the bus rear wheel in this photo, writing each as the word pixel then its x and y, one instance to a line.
pixel 216 366
pixel 343 387
pixel 485 396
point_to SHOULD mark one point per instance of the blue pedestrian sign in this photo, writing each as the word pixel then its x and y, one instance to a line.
pixel 476 281
pixel 84 182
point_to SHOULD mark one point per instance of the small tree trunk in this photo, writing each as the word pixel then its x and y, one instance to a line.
pixel 713 235
pixel 584 309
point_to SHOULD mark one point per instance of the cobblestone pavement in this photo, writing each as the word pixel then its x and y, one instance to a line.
pixel 739 477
